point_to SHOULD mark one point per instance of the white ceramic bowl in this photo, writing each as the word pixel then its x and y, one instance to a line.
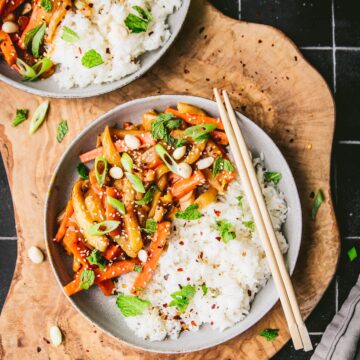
pixel 101 310
pixel 50 88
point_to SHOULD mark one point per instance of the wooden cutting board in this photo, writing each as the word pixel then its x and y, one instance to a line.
pixel 269 81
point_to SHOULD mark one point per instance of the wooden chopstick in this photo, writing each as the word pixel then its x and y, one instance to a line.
pixel 268 224
pixel 289 315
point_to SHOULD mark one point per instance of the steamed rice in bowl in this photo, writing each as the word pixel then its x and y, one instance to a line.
pixel 105 32
pixel 226 276
pixel 161 221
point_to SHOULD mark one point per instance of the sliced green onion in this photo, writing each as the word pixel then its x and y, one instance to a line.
pixel 319 199
pixel 103 227
pixel 136 182
pixel 101 175
pixel 42 66
pixel 38 117
pixel 167 159
pixel 25 70
pixel 32 73
pixel 127 162
pixel 200 133
pixel 37 40
pixel 116 204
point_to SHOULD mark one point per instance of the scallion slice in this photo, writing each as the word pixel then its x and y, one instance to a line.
pixel 101 166
pixel 136 182
pixel 319 199
pixel 200 133
pixel 167 159
pixel 116 204
pixel 103 227
pixel 38 117
pixel 127 162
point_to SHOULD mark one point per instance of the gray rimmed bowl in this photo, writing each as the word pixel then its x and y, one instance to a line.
pixel 50 88
pixel 101 310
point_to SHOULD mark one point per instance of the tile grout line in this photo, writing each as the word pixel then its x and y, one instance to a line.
pixel 333 44
pixel 316 47
pixel 335 180
pixel 337 48
pixel 352 237
pixel 336 294
pixel 239 10
pixel 349 142
pixel 316 333
pixel 8 238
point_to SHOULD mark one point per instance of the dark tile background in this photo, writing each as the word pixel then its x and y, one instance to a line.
pixel 328 33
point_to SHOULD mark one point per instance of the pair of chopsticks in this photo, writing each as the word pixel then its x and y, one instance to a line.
pixel 297 328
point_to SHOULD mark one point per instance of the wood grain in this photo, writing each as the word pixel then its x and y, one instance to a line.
pixel 268 80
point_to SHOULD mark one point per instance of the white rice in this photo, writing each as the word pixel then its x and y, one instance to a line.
pixel 233 272
pixel 106 33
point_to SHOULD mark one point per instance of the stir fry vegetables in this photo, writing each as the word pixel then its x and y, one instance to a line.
pixel 142 177
pixel 26 28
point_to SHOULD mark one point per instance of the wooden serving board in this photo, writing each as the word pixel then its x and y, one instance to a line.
pixel 269 81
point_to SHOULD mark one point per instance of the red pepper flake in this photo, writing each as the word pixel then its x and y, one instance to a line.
pixel 213 306
pixel 166 317
pixel 181 242
pixel 218 238
pixel 176 317
pixel 165 305
pixel 217 212
pixel 201 255
pixel 249 292
pixel 166 276
pixel 180 269
pixel 188 279
pixel 211 323
pixel 193 323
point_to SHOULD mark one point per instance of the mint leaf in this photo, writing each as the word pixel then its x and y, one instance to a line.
pixel 250 225
pixel 272 176
pixel 204 289
pixel 83 171
pixel 46 4
pixel 352 254
pixel 319 199
pixel 150 226
pixel 61 130
pixel 181 299
pixel 138 268
pixel 148 196
pixel 87 278
pixel 190 213
pixel 160 129
pixel 96 258
pixel 240 200
pixel 224 228
pixel 131 305
pixel 138 24
pixel 221 164
pixel 269 334
pixel 69 35
pixel 91 58
pixel 21 116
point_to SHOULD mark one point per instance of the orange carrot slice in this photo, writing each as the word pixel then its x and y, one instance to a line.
pixel 184 186
pixel 155 250
pixel 69 210
pixel 196 119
